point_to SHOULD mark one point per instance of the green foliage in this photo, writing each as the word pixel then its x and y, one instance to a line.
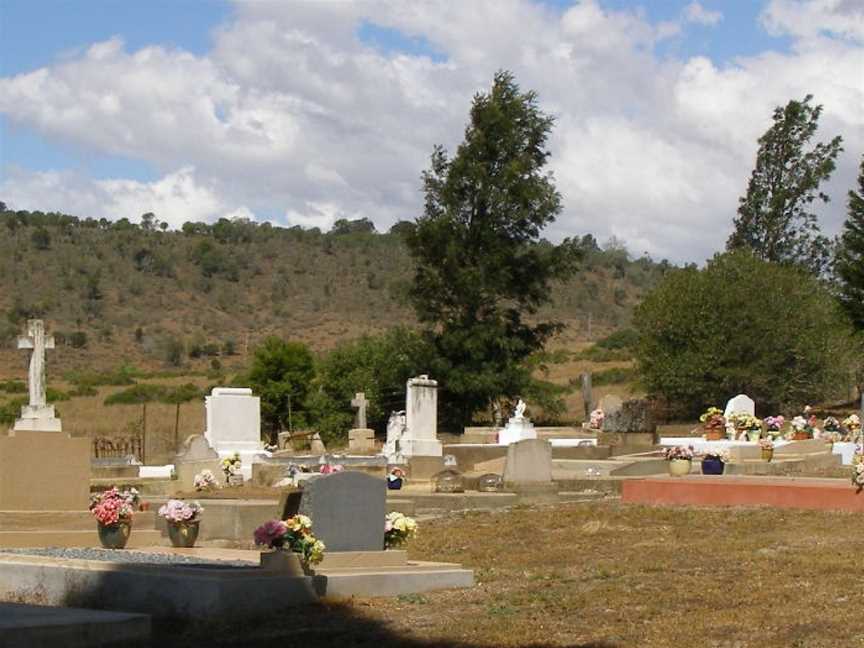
pixel 41 239
pixel 774 219
pixel 849 263
pixel 481 265
pixel 13 387
pixel 613 376
pixel 78 340
pixel 626 338
pixel 742 325
pixel 123 375
pixel 56 395
pixel 281 374
pixel 11 410
pixel 138 394
pixel 379 366
pixel 173 350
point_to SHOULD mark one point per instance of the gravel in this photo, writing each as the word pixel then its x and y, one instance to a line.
pixel 129 557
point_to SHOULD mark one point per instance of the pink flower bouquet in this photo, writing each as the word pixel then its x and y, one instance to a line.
pixel 113 506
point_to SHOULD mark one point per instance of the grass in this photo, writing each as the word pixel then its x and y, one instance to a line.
pixel 602 575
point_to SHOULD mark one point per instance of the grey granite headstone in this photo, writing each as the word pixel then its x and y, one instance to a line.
pixel 529 460
pixel 634 416
pixel 347 510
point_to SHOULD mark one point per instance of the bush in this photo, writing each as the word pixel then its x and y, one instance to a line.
pixel 742 325
pixel 621 339
pixel 13 387
pixel 613 376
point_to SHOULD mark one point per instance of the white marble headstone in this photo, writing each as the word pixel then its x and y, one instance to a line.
pixel 234 425
pixel 421 419
pixel 741 404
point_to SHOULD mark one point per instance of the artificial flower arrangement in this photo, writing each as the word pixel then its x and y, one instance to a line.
pixel 395 474
pixel 231 465
pixel 716 455
pixel 596 419
pixel 327 469
pixel 852 425
pixel 773 424
pixel 831 424
pixel 678 452
pixel 746 423
pixel 205 481
pixel 858 471
pixel 398 528
pixel 801 427
pixel 713 419
pixel 113 506
pixel 766 444
pixel 180 512
pixel 293 534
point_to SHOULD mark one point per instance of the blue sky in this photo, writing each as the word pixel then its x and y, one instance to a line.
pixel 306 112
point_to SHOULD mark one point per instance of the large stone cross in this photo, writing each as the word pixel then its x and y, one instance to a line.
pixel 37 342
pixel 359 402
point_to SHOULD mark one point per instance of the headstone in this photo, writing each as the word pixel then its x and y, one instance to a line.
pixel 528 461
pixel 316 445
pixel 38 415
pixel 194 457
pixel 396 427
pixel 234 425
pixel 359 403
pixel 741 404
pixel 518 427
pixel 611 403
pixel 587 397
pixel 424 468
pixel 361 440
pixel 421 419
pixel 634 425
pixel 347 510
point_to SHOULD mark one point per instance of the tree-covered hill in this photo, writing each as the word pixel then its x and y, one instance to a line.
pixel 113 290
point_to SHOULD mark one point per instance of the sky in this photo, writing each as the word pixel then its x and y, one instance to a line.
pixel 301 113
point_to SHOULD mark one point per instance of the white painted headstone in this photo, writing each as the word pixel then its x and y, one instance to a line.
pixel 420 439
pixel 741 404
pixel 234 425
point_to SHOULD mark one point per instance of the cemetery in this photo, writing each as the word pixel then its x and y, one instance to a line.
pixel 186 529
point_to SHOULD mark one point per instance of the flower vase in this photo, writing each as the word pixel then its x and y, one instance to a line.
pixel 712 466
pixel 754 435
pixel 114 536
pixel 715 434
pixel 800 436
pixel 394 484
pixel 287 563
pixel 767 454
pixel 679 467
pixel 183 534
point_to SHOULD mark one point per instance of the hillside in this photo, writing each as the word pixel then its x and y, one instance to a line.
pixel 118 291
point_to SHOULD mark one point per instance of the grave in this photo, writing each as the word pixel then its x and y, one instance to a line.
pixel 234 425
pixel 528 468
pixel 396 427
pixel 195 456
pixel 611 403
pixel 518 427
pixel 630 428
pixel 347 510
pixel 740 404
pixel 38 415
pixel 360 437
pixel 421 419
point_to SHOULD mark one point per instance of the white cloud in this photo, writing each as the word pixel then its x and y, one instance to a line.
pixel 696 13
pixel 290 113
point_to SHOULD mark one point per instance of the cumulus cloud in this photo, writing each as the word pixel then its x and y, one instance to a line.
pixel 290 112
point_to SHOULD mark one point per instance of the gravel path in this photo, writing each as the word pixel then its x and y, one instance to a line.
pixel 127 557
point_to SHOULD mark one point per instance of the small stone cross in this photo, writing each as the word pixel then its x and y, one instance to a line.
pixel 36 340
pixel 359 402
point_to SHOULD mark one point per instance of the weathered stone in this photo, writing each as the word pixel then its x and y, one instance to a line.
pixel 741 404
pixel 421 417
pixel 361 440
pixel 528 461
pixel 611 403
pixel 37 415
pixel 635 416
pixel 424 468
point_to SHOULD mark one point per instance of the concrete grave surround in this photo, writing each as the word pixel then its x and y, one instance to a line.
pixel 741 404
pixel 421 419
pixel 234 425
pixel 529 461
pixel 347 510
pixel 38 415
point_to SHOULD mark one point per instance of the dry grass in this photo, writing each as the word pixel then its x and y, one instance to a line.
pixel 606 574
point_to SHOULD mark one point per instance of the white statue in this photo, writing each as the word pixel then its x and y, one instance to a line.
pixel 520 410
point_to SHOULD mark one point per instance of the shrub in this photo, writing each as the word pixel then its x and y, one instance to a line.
pixel 742 325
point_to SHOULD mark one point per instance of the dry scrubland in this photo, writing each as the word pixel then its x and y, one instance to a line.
pixel 601 575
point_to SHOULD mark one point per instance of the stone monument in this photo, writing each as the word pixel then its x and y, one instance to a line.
pixel 38 415
pixel 528 468
pixel 234 425
pixel 396 427
pixel 741 404
pixel 518 427
pixel 360 437
pixel 194 457
pixel 633 426
pixel 43 469
pixel 421 419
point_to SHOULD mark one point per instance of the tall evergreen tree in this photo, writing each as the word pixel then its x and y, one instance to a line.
pixel 481 265
pixel 849 263
pixel 774 218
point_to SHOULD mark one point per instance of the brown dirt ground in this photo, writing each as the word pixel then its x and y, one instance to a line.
pixel 599 575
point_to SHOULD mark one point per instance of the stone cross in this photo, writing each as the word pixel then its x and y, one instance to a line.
pixel 36 340
pixel 360 403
